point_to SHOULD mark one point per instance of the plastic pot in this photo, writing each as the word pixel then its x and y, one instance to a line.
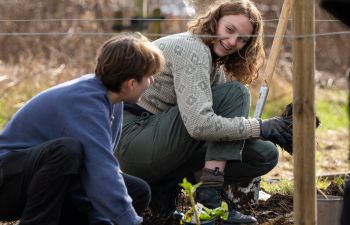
pixel 329 210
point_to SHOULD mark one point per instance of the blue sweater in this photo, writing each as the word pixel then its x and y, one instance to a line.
pixel 79 109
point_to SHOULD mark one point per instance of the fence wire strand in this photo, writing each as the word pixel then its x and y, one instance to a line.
pixel 339 33
pixel 287 36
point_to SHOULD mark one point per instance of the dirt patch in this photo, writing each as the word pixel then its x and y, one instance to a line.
pixel 277 210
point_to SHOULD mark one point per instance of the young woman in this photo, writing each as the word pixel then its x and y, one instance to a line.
pixel 190 118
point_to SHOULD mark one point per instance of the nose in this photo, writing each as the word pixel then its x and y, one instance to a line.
pixel 151 79
pixel 233 40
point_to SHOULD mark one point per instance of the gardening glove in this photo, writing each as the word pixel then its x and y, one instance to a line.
pixel 288 113
pixel 278 130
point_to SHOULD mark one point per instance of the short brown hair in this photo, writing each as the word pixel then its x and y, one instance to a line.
pixel 244 65
pixel 127 56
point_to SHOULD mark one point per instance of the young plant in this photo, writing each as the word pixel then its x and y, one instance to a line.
pixel 199 211
pixel 190 190
pixel 340 182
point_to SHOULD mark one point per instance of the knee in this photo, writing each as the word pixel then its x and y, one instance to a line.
pixel 231 99
pixel 141 197
pixel 271 157
pixel 145 191
pixel 70 147
pixel 68 153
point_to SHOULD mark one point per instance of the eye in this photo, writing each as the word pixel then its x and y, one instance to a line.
pixel 230 30
pixel 243 40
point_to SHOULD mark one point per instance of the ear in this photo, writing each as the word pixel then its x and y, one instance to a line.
pixel 128 84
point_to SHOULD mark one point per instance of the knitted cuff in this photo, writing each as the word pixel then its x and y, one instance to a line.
pixel 255 127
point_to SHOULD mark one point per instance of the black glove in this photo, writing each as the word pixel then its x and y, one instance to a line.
pixel 288 113
pixel 278 130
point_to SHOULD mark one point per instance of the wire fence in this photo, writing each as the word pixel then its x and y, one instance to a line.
pixel 73 33
pixel 163 35
pixel 131 18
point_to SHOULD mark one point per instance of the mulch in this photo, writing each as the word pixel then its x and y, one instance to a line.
pixel 277 210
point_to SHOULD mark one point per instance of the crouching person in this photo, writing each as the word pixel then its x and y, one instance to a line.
pixel 56 153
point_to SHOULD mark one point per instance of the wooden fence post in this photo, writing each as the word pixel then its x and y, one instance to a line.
pixel 304 112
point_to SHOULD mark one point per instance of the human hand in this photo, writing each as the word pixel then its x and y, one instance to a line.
pixel 278 130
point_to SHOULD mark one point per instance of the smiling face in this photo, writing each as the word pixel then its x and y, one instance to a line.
pixel 233 32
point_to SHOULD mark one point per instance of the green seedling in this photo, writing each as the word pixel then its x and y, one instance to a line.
pixel 197 210
pixel 340 182
pixel 190 190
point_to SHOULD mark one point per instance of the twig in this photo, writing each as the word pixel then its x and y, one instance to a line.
pixel 322 193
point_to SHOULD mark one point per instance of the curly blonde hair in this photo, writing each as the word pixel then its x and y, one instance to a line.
pixel 245 64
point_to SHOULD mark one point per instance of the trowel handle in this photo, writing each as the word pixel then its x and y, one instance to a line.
pixel 264 90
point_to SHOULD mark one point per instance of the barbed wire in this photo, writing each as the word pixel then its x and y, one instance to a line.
pixel 163 35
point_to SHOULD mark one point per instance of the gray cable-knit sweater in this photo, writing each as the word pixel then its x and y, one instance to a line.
pixel 186 81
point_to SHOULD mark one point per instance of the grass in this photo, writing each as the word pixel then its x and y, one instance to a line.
pixel 282 186
pixel 331 107
pixel 286 186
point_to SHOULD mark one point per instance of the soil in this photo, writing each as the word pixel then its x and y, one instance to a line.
pixel 277 210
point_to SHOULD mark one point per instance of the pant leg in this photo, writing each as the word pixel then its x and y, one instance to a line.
pixel 139 191
pixel 78 210
pixel 71 215
pixel 43 180
pixel 246 159
pixel 11 188
pixel 230 100
pixel 258 158
pixel 153 147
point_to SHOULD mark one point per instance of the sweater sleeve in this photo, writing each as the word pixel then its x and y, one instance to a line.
pixel 191 72
pixel 101 178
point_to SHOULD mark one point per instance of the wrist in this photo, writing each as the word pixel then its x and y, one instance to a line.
pixel 255 128
pixel 260 126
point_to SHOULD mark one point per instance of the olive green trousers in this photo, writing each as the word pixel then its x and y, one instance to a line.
pixel 158 147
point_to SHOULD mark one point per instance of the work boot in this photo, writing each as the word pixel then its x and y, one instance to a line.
pixel 244 194
pixel 212 193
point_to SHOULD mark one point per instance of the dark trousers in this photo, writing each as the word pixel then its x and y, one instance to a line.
pixel 35 185
pixel 158 147
pixel 36 180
